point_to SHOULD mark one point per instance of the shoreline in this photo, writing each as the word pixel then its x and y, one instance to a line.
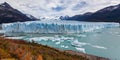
pixel 88 56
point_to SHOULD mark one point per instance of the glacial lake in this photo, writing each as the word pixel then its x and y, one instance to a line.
pixel 104 42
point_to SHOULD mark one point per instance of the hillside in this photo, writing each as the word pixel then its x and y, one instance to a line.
pixel 21 50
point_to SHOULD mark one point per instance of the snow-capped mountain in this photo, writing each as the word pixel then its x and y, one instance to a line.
pixel 108 14
pixel 9 14
pixel 110 8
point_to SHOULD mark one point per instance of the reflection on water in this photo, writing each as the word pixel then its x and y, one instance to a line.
pixel 104 43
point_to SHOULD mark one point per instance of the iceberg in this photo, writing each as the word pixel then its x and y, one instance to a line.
pixel 55 26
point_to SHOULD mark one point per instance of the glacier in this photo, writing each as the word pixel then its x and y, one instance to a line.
pixel 55 26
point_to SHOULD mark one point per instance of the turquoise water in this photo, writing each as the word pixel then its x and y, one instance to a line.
pixel 104 43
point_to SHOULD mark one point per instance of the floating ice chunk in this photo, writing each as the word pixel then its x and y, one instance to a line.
pixel 66 46
pixel 14 37
pixel 81 49
pixel 63 46
pixel 41 38
pixel 57 43
pixel 79 44
pixel 100 47
pixel 67 38
pixel 81 35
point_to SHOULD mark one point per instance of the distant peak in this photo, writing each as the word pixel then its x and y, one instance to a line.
pixel 110 8
pixel 5 5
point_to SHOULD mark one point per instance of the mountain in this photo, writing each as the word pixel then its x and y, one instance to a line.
pixel 77 17
pixel 9 14
pixel 108 14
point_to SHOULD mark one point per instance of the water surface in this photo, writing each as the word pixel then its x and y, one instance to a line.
pixel 104 43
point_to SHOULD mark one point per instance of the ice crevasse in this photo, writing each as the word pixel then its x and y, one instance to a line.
pixel 55 26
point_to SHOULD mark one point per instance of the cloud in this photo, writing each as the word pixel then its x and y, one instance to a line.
pixel 79 5
pixel 39 8
pixel 58 8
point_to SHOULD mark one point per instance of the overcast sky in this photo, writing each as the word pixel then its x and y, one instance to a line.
pixel 59 7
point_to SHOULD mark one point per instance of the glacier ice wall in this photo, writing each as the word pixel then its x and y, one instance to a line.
pixel 55 26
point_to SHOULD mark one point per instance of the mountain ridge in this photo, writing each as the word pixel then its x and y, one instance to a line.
pixel 108 14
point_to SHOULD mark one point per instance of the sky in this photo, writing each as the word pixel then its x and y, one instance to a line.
pixel 39 8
